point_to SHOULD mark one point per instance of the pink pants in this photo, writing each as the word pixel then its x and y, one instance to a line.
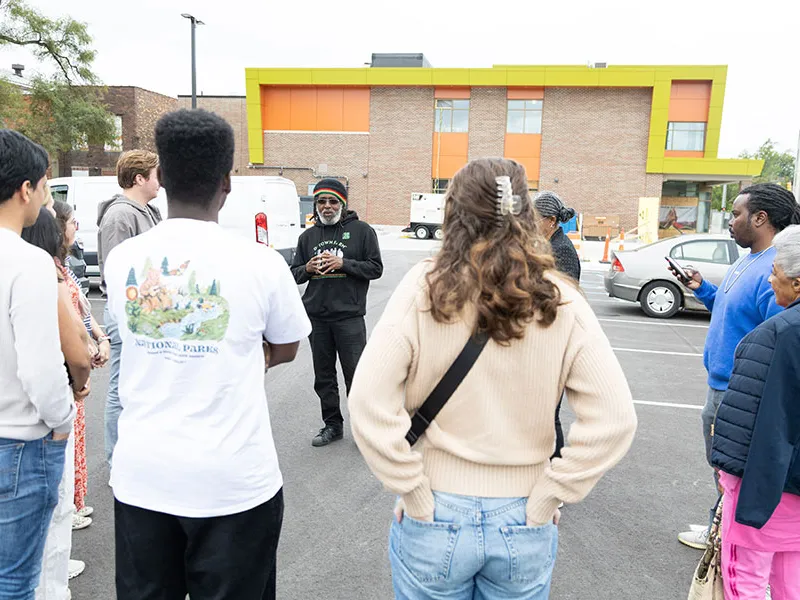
pixel 746 573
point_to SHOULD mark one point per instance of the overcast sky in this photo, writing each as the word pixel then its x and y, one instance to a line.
pixel 147 43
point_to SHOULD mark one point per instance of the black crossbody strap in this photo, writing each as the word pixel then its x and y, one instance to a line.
pixel 445 388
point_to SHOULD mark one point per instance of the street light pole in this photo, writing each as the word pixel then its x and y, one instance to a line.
pixel 194 22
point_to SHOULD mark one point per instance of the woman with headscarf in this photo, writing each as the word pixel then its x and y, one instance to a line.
pixel 479 493
pixel 553 212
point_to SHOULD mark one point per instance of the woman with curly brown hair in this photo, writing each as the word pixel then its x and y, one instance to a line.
pixel 478 493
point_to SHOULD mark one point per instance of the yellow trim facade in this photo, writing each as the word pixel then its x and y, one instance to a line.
pixel 659 78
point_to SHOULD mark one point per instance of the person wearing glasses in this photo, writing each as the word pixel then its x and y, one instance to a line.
pixel 338 257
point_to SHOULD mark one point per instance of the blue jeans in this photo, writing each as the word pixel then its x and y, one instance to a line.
pixel 709 415
pixel 30 473
pixel 113 407
pixel 476 548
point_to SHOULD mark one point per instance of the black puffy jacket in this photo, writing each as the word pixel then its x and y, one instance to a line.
pixel 757 428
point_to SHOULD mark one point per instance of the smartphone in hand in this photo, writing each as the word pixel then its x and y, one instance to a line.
pixel 678 270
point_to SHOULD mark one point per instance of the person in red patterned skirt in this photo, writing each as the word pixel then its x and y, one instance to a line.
pixel 101 351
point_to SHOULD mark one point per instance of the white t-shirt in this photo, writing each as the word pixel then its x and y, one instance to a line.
pixel 193 303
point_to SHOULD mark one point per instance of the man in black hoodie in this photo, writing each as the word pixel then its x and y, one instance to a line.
pixel 338 257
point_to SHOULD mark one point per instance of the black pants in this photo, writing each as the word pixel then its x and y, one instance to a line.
pixel 559 431
pixel 164 557
pixel 346 338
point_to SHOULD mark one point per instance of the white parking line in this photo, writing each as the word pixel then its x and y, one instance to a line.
pixel 668 404
pixel 656 352
pixel 643 322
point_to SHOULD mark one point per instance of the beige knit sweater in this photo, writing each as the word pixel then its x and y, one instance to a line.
pixel 495 436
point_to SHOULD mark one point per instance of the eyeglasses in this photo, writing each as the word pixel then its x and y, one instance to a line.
pixel 324 201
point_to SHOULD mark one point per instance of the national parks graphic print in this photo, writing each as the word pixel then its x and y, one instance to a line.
pixel 174 302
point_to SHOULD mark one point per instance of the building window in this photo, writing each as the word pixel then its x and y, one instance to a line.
pixel 452 116
pixel 533 186
pixel 440 186
pixel 524 116
pixel 686 136
pixel 116 145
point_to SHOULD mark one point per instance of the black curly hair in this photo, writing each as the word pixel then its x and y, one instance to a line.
pixel 195 152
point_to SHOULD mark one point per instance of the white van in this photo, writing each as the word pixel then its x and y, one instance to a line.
pixel 262 208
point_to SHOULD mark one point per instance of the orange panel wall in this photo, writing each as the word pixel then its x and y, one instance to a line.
pixel 275 108
pixel 689 101
pixel 453 155
pixel 452 93
pixel 330 109
pixel 312 108
pixel 528 93
pixel 526 149
pixel 356 109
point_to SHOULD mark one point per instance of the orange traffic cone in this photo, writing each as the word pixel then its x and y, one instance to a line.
pixel 605 249
pixel 621 240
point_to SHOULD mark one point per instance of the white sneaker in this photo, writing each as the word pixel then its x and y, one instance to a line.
pixel 79 522
pixel 76 567
pixel 696 538
pixel 85 511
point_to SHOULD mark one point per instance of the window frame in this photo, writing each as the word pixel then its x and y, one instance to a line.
pixel 457 105
pixel 723 243
pixel 436 185
pixel 682 127
pixel 524 107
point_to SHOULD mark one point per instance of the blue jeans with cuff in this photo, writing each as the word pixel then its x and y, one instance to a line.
pixel 30 473
pixel 476 548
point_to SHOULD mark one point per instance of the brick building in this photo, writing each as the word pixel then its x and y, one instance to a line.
pixel 602 137
pixel 135 111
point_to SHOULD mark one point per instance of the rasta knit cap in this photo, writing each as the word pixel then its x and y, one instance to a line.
pixel 334 187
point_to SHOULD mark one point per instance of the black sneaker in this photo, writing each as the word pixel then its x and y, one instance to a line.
pixel 326 435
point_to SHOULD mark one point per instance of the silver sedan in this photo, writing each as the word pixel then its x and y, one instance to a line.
pixel 641 275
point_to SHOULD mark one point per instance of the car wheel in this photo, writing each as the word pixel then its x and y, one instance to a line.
pixel 438 233
pixel 421 232
pixel 660 299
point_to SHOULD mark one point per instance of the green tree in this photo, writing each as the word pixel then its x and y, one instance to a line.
pixel 778 168
pixel 192 281
pixel 131 278
pixel 64 110
pixel 212 291
pixel 165 266
pixel 148 264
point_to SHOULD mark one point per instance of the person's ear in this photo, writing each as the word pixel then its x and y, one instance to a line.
pixel 760 218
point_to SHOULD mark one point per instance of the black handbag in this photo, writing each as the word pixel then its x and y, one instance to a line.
pixel 445 388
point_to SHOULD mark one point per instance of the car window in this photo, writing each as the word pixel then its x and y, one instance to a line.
pixel 709 251
pixel 59 192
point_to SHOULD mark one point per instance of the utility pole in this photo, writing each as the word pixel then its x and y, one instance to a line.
pixel 194 22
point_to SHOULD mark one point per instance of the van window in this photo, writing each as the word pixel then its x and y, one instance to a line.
pixel 60 192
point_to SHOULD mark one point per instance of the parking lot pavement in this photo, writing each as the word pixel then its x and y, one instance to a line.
pixel 619 544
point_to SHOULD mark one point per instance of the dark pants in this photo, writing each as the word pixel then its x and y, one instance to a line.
pixel 346 338
pixel 164 557
pixel 559 431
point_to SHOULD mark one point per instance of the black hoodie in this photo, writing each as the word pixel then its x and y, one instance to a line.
pixel 339 294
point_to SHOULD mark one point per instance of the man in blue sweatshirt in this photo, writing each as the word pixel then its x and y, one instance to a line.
pixel 744 299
